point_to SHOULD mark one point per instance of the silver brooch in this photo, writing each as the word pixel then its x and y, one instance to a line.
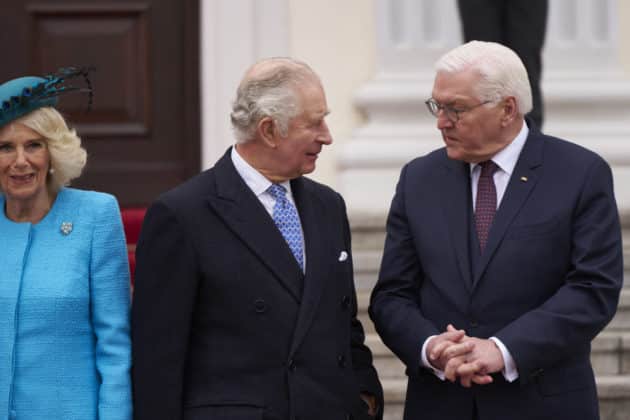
pixel 66 228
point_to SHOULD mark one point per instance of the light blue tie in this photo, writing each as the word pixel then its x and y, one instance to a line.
pixel 286 218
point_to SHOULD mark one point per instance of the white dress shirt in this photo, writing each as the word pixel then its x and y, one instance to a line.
pixel 259 185
pixel 506 161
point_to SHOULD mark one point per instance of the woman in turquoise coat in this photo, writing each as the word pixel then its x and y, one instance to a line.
pixel 64 282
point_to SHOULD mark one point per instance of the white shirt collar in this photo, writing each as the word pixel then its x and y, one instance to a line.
pixel 508 156
pixel 254 179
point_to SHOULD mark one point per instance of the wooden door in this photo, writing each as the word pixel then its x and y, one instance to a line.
pixel 142 133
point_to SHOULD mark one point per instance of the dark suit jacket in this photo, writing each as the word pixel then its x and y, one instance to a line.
pixel 221 329
pixel 547 283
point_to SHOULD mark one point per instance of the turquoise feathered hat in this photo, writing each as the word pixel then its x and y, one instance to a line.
pixel 20 96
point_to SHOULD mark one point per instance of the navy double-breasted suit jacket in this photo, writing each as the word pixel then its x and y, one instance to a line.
pixel 226 326
pixel 547 283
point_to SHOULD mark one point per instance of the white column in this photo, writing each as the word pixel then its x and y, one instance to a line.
pixel 587 98
pixel 586 93
pixel 234 34
pixel 411 35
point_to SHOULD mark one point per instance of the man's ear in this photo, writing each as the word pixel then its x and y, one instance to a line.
pixel 510 110
pixel 267 131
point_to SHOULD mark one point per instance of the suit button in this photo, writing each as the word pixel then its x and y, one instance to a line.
pixel 341 360
pixel 345 302
pixel 291 365
pixel 260 305
pixel 474 324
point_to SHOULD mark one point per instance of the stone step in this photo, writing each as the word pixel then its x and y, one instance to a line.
pixel 610 353
pixel 394 393
pixel 363 301
pixel 621 321
pixel 613 391
pixel 386 363
pixel 614 397
pixel 366 265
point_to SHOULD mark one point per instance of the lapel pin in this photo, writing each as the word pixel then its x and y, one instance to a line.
pixel 524 179
pixel 66 228
pixel 343 256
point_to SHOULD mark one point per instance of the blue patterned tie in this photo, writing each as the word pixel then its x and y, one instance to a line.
pixel 285 216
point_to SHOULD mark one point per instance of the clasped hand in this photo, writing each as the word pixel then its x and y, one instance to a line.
pixel 469 359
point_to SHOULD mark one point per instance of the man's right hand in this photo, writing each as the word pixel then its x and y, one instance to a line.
pixel 452 353
pixel 446 346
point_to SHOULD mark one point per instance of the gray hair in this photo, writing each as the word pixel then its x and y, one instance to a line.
pixel 269 90
pixel 67 157
pixel 502 71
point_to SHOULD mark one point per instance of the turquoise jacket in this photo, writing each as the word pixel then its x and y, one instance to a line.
pixel 64 312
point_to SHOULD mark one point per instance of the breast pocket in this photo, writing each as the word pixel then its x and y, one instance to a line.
pixel 535 230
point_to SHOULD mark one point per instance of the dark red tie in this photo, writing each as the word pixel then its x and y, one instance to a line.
pixel 486 202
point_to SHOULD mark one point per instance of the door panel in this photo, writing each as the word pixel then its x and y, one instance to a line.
pixel 142 133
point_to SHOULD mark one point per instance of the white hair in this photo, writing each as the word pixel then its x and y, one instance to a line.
pixel 501 71
pixel 67 157
pixel 269 89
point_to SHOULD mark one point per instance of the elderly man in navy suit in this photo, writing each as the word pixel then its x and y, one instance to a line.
pixel 244 305
pixel 503 256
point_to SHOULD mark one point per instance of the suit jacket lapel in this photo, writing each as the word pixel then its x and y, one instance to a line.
pixel 456 206
pixel 312 212
pixel 521 184
pixel 243 213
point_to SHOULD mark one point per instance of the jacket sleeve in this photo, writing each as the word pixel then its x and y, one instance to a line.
pixel 394 305
pixel 164 300
pixel 361 355
pixel 109 300
pixel 570 318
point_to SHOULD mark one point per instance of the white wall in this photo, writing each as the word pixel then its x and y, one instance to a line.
pixel 624 35
pixel 336 37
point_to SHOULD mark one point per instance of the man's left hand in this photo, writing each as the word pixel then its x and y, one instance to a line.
pixel 483 360
pixel 370 400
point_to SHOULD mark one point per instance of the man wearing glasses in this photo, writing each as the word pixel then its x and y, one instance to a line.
pixel 503 256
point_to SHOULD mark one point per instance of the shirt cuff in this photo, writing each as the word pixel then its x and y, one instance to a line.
pixel 510 372
pixel 425 362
